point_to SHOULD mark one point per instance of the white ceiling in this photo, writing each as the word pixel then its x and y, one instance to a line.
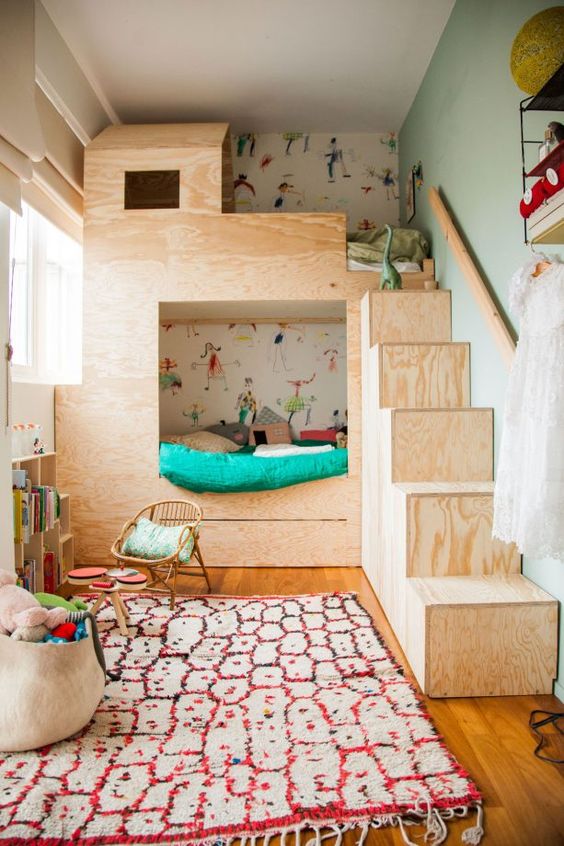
pixel 262 65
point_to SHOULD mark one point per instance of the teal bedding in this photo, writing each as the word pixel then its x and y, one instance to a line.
pixel 240 472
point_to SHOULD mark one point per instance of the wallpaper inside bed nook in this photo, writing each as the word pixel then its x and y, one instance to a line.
pixel 300 172
pixel 213 372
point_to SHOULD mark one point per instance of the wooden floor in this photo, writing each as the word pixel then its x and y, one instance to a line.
pixel 523 797
pixel 490 737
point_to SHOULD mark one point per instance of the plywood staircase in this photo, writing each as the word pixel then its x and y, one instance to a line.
pixel 469 622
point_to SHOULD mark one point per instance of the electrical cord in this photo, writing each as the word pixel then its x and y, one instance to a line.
pixel 549 718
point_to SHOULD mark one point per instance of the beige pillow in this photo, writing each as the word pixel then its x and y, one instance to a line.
pixel 203 442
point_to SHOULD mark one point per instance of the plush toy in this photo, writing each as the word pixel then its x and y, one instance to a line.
pixel 65 630
pixel 31 634
pixel 19 609
pixel 342 440
pixel 66 633
pixel 54 601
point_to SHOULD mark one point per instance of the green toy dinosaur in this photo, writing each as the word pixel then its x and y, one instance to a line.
pixel 389 276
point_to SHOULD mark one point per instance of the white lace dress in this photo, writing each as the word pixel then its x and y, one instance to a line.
pixel 529 490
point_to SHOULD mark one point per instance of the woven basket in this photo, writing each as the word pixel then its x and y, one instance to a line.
pixel 48 691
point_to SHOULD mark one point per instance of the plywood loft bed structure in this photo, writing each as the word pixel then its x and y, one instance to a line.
pixel 136 258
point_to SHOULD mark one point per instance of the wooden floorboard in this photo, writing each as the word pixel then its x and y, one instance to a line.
pixel 490 737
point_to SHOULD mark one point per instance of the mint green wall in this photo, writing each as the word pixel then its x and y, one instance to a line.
pixel 464 127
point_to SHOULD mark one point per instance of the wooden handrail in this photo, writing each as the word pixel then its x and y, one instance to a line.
pixel 501 332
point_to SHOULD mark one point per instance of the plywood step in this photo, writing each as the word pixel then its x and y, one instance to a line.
pixel 409 316
pixel 448 531
pixel 481 636
pixel 368 280
pixel 424 375
pixel 450 445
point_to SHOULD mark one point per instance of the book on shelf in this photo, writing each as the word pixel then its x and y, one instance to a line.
pixel 17 516
pixel 26 517
pixel 22 519
pixel 27 575
pixel 39 492
pixel 30 573
pixel 36 509
pixel 49 571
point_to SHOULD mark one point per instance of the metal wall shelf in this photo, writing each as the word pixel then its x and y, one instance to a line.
pixel 551 95
pixel 554 160
pixel 549 99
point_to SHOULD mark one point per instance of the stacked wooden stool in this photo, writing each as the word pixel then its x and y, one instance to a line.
pixel 108 584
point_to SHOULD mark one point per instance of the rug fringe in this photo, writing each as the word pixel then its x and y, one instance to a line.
pixel 436 823
pixel 472 836
pixel 434 819
pixel 363 833
pixel 437 831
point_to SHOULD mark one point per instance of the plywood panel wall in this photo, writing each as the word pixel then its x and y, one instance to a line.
pixel 107 429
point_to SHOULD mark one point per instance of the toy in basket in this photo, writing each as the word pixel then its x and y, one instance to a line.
pixel 36 677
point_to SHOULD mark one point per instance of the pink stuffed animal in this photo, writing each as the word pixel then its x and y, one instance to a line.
pixel 19 608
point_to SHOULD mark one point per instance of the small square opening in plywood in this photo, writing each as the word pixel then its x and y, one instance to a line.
pixel 152 189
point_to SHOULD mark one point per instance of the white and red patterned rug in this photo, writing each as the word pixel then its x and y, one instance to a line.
pixel 240 717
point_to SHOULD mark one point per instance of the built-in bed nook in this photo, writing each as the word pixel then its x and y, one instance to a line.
pixel 253 396
pixel 143 257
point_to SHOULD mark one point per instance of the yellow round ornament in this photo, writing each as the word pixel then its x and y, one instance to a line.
pixel 538 49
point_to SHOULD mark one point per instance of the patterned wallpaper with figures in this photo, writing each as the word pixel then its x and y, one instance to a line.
pixel 296 171
pixel 213 372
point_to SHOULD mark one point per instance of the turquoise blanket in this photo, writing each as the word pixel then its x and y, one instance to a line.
pixel 238 472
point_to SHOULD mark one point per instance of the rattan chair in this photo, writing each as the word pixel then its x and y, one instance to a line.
pixel 164 571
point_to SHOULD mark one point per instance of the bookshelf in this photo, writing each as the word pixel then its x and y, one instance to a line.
pixel 42 470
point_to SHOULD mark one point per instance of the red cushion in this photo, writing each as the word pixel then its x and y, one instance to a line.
pixel 65 630
pixel 318 435
pixel 87 573
pixel 137 579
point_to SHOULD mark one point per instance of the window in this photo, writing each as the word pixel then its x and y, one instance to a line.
pixel 45 301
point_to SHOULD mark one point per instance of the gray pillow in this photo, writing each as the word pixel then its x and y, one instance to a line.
pixel 236 432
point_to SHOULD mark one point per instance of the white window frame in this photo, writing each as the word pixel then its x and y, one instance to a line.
pixel 37 371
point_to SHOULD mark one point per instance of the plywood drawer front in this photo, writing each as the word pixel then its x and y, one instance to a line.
pixel 489 636
pixel 506 650
pixel 442 445
pixel 323 499
pixel 410 316
pixel 424 375
pixel 274 543
pixel 451 535
pixel 247 543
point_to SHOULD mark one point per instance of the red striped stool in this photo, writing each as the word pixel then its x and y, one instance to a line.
pixel 135 581
pixel 85 575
